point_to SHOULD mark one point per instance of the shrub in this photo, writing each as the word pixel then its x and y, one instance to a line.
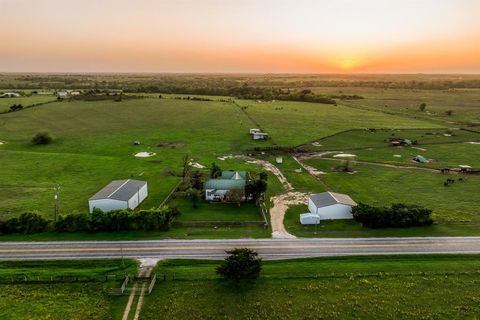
pixel 397 216
pixel 241 264
pixel 41 138
pixel 27 223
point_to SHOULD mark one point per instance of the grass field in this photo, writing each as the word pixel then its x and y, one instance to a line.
pixel 381 186
pixel 440 155
pixel 357 139
pixel 402 287
pixel 6 103
pixel 464 103
pixel 62 300
pixel 293 123
pixel 94 144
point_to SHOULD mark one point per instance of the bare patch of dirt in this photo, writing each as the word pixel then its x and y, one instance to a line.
pixel 172 145
pixel 273 169
pixel 277 212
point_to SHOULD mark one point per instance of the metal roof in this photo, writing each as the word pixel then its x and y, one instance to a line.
pixel 326 199
pixel 230 180
pixel 122 190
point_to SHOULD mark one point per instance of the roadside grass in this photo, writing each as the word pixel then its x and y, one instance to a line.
pixel 352 229
pixel 212 231
pixel 66 300
pixel 387 287
pixel 6 103
pixel 380 186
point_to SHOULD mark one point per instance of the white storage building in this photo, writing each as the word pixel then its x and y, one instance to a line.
pixel 331 205
pixel 309 218
pixel 119 194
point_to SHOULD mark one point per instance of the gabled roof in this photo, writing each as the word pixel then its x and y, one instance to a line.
pixel 234 175
pixel 225 184
pixel 326 199
pixel 230 180
pixel 122 190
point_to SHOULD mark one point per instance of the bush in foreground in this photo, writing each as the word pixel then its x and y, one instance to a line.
pixel 41 138
pixel 241 264
pixel 397 216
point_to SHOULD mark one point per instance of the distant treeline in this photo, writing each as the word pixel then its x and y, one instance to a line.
pixel 97 221
pixel 222 84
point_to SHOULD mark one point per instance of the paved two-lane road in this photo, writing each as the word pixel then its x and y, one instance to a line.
pixel 215 249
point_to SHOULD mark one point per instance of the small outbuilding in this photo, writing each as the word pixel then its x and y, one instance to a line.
pixel 254 130
pixel 331 205
pixel 119 194
pixel 260 136
pixel 309 218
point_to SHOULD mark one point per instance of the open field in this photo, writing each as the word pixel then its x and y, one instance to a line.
pixel 94 144
pixel 6 103
pixel 383 186
pixel 422 287
pixel 465 103
pixel 293 123
pixel 61 300
pixel 440 155
pixel 358 139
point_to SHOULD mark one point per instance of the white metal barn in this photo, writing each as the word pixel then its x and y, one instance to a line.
pixel 119 194
pixel 309 218
pixel 331 205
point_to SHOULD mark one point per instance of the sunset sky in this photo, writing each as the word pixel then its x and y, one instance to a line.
pixel 323 36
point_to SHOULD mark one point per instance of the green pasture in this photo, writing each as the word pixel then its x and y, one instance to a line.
pixel 400 287
pixel 62 300
pixel 440 155
pixel 6 103
pixel 378 138
pixel 381 186
pixel 293 123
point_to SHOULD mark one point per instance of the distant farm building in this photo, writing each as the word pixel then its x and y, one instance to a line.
pixel 420 159
pixel 217 189
pixel 62 94
pixel 257 134
pixel 119 194
pixel 9 95
pixel 331 205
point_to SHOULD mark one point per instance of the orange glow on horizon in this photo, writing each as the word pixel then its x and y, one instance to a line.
pixel 345 36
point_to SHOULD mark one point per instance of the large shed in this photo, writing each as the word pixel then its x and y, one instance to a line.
pixel 331 205
pixel 119 194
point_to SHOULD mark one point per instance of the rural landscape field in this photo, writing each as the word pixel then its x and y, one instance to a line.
pixel 268 159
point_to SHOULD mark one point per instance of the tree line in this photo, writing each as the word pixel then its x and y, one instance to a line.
pixel 396 216
pixel 98 221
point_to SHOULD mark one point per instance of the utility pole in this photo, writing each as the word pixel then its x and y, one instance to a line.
pixel 56 198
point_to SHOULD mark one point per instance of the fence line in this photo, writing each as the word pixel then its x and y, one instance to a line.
pixel 170 194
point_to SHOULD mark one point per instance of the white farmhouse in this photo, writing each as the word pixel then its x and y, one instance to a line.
pixel 217 189
pixel 331 205
pixel 119 194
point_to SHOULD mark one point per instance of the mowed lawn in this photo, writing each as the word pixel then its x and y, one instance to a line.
pixel 293 123
pixel 374 185
pixel 61 300
pixel 6 103
pixel 384 287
